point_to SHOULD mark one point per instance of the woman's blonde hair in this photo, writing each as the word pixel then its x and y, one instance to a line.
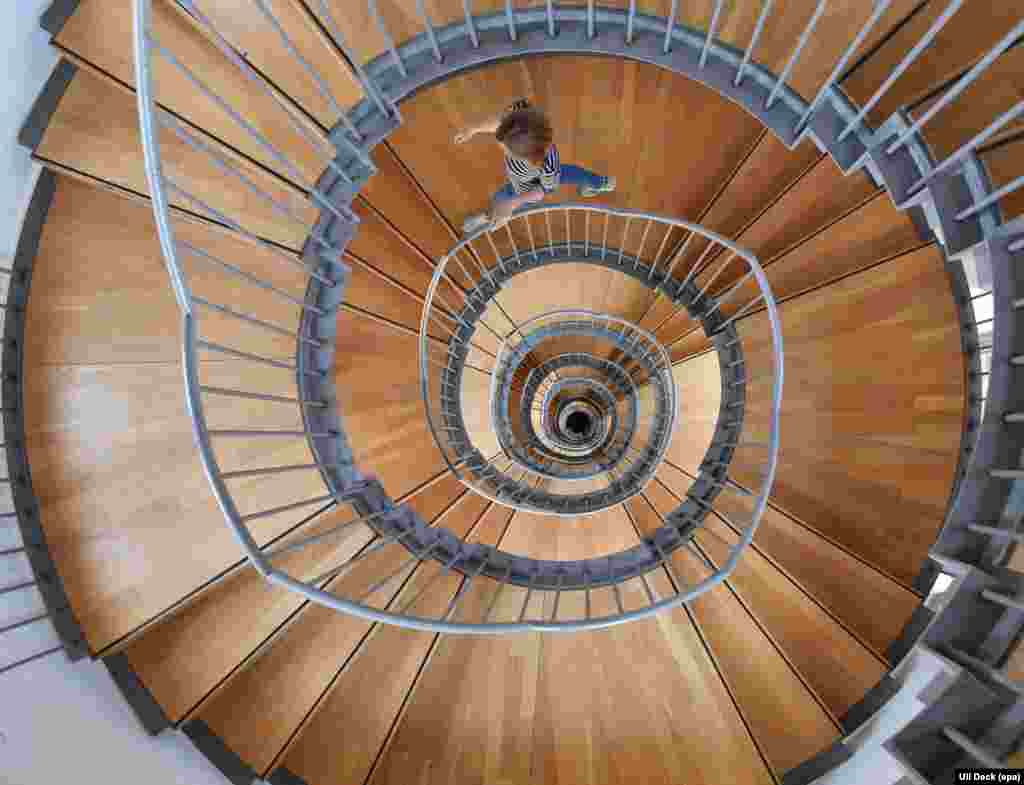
pixel 527 134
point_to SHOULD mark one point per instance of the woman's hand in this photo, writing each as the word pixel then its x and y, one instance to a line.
pixel 464 135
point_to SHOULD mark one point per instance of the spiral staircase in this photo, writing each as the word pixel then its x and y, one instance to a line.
pixel 348 498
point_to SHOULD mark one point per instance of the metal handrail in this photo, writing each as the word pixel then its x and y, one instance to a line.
pixel 382 95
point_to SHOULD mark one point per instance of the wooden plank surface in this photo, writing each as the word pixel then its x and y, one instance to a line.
pixel 871 604
pixel 108 147
pixel 699 392
pixel 228 622
pixel 788 723
pixel 101 33
pixel 869 443
pixel 298 666
pixel 874 232
pixel 835 664
pixel 249 31
pixel 613 131
pixel 962 41
pixel 1005 164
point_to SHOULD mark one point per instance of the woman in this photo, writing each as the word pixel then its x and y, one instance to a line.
pixel 531 164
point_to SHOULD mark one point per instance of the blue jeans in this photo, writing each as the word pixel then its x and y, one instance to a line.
pixel 571 175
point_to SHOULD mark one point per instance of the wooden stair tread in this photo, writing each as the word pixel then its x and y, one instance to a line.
pixel 699 392
pixel 838 667
pixel 852 408
pixel 876 611
pixel 1003 165
pixel 101 34
pixel 251 34
pixel 787 721
pixel 108 147
pixel 294 672
pixel 874 232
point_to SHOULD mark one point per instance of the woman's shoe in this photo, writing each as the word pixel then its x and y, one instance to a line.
pixel 475 222
pixel 608 187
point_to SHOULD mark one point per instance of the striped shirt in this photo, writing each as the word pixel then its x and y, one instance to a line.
pixel 525 176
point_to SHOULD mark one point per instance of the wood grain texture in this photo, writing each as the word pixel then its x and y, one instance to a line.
pixel 1005 164
pixel 228 622
pixel 962 41
pixel 613 130
pixel 107 146
pixel 837 666
pixel 287 680
pixel 788 723
pixel 874 232
pixel 869 443
pixel 699 392
pixel 101 34
pixel 871 604
pixel 248 30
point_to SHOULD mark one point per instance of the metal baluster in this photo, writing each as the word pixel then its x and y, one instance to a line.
pixel 529 594
pixel 961 84
pixel 586 591
pixel 964 150
pixel 219 216
pixel 31 658
pixel 591 31
pixel 257 322
pixel 558 596
pixel 368 86
pixel 622 242
pixel 551 19
pixel 464 588
pixel 169 122
pixel 629 21
pixel 256 281
pixel 511 17
pixel 568 233
pixel 711 33
pixel 231 393
pixel 728 293
pixel 497 593
pixel 551 236
pixel 992 198
pixel 714 277
pixel 881 6
pixel 512 240
pixel 389 42
pixel 586 232
pixel 661 248
pixel 529 232
pixel 429 27
pixel 604 241
pixel 284 507
pixel 903 65
pixel 818 11
pixel 290 547
pixel 670 26
pixel 758 29
pixel 257 358
pixel 739 313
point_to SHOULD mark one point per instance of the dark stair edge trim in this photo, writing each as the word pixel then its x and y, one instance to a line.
pixel 43 108
pixel 219 754
pixel 912 630
pixel 26 505
pixel 282 776
pixel 873 700
pixel 149 713
pixel 54 18
pixel 822 763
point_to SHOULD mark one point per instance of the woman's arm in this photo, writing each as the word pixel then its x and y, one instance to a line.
pixel 488 126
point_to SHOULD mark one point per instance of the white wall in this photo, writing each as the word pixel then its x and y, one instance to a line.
pixel 67 723
pixel 28 61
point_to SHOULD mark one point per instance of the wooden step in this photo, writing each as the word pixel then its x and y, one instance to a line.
pixel 299 665
pixel 871 604
pixel 620 133
pixel 164 658
pixel 761 178
pixel 837 666
pixel 107 146
pixel 381 676
pixel 255 36
pixel 870 234
pixel 788 721
pixel 100 34
pixel 994 92
pixel 105 414
pixel 699 388
pixel 867 440
pixel 1003 164
pixel 962 41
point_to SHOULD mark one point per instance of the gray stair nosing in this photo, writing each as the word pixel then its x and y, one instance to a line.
pixel 283 776
pixel 31 132
pixel 149 713
pixel 53 19
pixel 213 748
